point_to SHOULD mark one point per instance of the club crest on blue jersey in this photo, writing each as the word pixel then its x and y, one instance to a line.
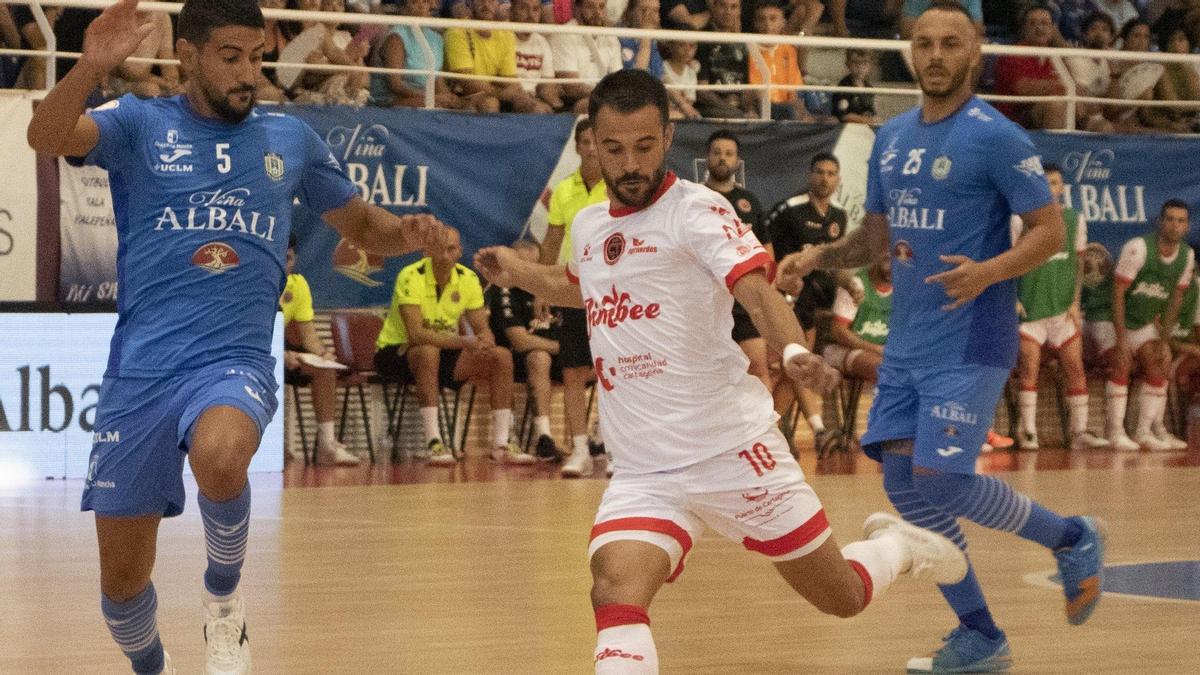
pixel 941 167
pixel 273 163
pixel 216 257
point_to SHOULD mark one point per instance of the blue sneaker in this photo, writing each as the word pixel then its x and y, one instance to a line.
pixel 966 651
pixel 1082 570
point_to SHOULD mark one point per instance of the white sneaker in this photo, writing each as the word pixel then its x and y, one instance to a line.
pixel 1119 440
pixel 1086 440
pixel 1160 432
pixel 439 454
pixel 511 453
pixel 1027 440
pixel 934 557
pixel 1153 443
pixel 227 651
pixel 579 464
pixel 168 668
pixel 339 455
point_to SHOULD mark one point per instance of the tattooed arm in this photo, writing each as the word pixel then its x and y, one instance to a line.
pixel 861 247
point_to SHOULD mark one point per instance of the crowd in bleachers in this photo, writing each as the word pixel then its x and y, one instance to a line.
pixel 1130 25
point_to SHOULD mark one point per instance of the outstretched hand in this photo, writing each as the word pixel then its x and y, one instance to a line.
pixel 964 283
pixel 796 266
pixel 423 232
pixel 812 372
pixel 113 36
pixel 497 265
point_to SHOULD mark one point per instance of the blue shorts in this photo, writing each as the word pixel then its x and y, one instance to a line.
pixel 144 428
pixel 945 410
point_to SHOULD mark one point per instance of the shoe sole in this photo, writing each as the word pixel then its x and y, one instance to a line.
pixel 954 573
pixel 995 664
pixel 1081 608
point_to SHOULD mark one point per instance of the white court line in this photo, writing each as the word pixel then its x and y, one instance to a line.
pixel 1042 579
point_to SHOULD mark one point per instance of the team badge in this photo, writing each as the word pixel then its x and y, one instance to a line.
pixel 614 246
pixel 455 297
pixel 743 205
pixel 355 263
pixel 835 230
pixel 903 252
pixel 951 431
pixel 941 167
pixel 287 297
pixel 216 258
pixel 273 163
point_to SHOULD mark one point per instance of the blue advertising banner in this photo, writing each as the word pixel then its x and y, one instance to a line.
pixel 479 173
pixel 1119 183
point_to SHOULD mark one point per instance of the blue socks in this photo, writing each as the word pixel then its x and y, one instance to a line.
pixel 133 626
pixel 992 503
pixel 226 528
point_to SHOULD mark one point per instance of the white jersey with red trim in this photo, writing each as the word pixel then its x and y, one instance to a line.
pixel 674 387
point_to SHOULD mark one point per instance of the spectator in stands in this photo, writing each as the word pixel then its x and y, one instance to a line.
pixel 300 342
pixel 583 187
pixel 858 108
pixel 1179 82
pixel 1068 17
pixel 535 59
pixel 421 343
pixel 1120 11
pixel 333 45
pixel 722 161
pixel 68 25
pixel 400 48
pixel 681 69
pixel 802 15
pixel 140 78
pixel 1165 14
pixel 1049 307
pixel 797 223
pixel 783 63
pixel 725 63
pixel 911 9
pixel 1145 291
pixel 1092 75
pixel 533 341
pixel 862 308
pixel 1134 81
pixel 274 41
pixel 685 14
pixel 472 51
pixel 641 53
pixel 1032 76
pixel 584 56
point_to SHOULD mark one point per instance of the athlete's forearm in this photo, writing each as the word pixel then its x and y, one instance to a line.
pixel 1118 309
pixel 548 282
pixel 1039 242
pixel 770 314
pixel 849 339
pixel 863 246
pixel 1171 317
pixel 53 125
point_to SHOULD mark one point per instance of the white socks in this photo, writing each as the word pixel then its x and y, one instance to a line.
pixel 429 423
pixel 1152 405
pixel 579 444
pixel 816 423
pixel 501 427
pixel 326 439
pixel 878 561
pixel 624 645
pixel 1077 403
pixel 1027 402
pixel 541 425
pixel 1115 398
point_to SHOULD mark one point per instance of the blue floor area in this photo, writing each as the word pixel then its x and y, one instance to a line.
pixel 1175 580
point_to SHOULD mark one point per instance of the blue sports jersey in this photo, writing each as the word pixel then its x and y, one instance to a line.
pixel 950 188
pixel 203 210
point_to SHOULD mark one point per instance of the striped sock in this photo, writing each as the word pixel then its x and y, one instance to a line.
pixel 135 629
pixel 226 529
pixel 992 503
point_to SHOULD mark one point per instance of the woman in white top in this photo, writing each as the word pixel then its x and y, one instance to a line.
pixel 681 68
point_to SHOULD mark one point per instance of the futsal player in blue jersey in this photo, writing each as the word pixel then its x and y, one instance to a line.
pixel 943 180
pixel 203 185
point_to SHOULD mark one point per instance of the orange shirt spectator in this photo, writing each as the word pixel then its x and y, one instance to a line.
pixel 784 68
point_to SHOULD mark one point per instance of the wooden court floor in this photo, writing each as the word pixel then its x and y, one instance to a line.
pixel 480 569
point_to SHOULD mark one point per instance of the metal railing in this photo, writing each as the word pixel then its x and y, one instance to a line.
pixel 1057 56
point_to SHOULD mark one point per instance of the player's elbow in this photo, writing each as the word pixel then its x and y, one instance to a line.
pixel 42 142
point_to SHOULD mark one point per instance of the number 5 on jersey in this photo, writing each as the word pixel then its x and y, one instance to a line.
pixel 223 161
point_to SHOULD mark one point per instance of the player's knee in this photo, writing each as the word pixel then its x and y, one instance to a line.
pixel 121 581
pixel 939 489
pixel 537 361
pixel 501 358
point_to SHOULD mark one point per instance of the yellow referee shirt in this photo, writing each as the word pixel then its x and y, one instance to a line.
pixel 296 301
pixel 567 199
pixel 416 285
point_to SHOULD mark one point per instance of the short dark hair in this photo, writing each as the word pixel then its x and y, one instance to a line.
pixel 1102 18
pixel 198 18
pixel 949 6
pixel 823 157
pixel 859 53
pixel 1174 203
pixel 1048 167
pixel 724 134
pixel 582 126
pixel 1130 25
pixel 1035 7
pixel 630 90
pixel 769 4
pixel 1165 35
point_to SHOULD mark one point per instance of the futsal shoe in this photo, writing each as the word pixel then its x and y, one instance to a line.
pixel 227 647
pixel 1086 440
pixel 966 651
pixel 934 557
pixel 1119 440
pixel 997 441
pixel 1082 570
pixel 579 464
pixel 339 455
pixel 439 454
pixel 1028 440
pixel 547 450
pixel 1161 433
pixel 1149 441
pixel 510 453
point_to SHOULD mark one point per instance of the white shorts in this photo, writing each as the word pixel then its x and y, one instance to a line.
pixel 840 357
pixel 1055 331
pixel 755 494
pixel 1104 335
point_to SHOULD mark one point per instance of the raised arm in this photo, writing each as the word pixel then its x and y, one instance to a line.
pixel 374 229
pixel 59 126
pixel 501 266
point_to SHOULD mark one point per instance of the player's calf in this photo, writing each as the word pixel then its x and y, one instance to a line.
pixel 625 577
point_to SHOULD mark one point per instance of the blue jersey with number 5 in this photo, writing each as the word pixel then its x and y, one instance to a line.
pixel 203 210
pixel 949 188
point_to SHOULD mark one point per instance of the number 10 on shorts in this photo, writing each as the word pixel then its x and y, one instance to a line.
pixel 759 457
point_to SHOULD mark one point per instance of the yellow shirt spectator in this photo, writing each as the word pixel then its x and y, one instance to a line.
pixel 567 199
pixel 469 52
pixel 784 65
pixel 416 285
pixel 296 301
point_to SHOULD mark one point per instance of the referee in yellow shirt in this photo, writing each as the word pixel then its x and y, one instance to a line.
pixel 420 343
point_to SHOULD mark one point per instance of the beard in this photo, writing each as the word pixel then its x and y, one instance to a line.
pixel 720 172
pixel 633 189
pixel 954 82
pixel 223 105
